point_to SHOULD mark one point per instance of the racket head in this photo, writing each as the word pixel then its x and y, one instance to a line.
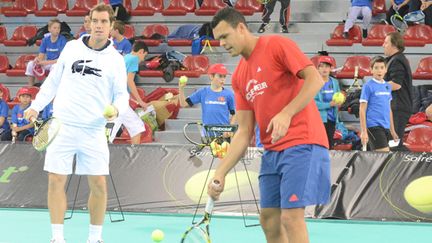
pixel 196 234
pixel 415 16
pixel 45 132
pixel 194 132
pixel 398 22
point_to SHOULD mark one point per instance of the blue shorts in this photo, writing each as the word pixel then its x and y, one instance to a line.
pixel 296 177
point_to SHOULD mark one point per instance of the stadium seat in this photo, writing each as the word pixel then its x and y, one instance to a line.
pixel 418 139
pixel 4 63
pixel 146 137
pixel 129 31
pixel 179 8
pixel 53 8
pixel 152 29
pixel 196 65
pixel 3 34
pixel 337 39
pixel 20 8
pixel 6 93
pixel 210 7
pixel 147 8
pixel 21 35
pixel 377 34
pixel 314 60
pixel 248 7
pixel 20 65
pixel 418 35
pixel 81 7
pixel 363 62
pixel 378 7
pixel 128 5
pixel 424 69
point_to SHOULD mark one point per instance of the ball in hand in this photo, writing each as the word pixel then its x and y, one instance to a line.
pixel 157 235
pixel 183 79
pixel 110 111
pixel 339 98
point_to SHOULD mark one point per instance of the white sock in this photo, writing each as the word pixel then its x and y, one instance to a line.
pixel 57 231
pixel 95 233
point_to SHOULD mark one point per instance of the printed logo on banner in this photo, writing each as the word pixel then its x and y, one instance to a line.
pixel 424 157
pixel 8 172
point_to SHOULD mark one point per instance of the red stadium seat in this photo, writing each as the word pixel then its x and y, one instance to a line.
pixel 337 39
pixel 6 93
pixel 146 137
pixel 377 34
pixel 378 7
pixel 21 35
pixel 196 65
pixel 179 8
pixel 418 35
pixel 3 34
pixel 4 63
pixel 128 5
pixel 81 7
pixel 210 7
pixel 52 8
pixel 20 65
pixel 129 31
pixel 20 8
pixel 419 139
pixel 179 42
pixel 248 7
pixel 424 69
pixel 147 8
pixel 152 29
pixel 363 62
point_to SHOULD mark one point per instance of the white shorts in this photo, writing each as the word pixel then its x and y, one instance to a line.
pixel 131 121
pixel 88 144
pixel 29 68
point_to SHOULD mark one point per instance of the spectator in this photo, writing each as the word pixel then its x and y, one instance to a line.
pixel 324 99
pixel 402 6
pixel 399 75
pixel 425 6
pixel 130 119
pixel 217 103
pixel 49 50
pixel 120 11
pixel 283 15
pixel 429 112
pixel 122 44
pixel 87 28
pixel 359 8
pixel 5 132
pixel 376 119
pixel 21 128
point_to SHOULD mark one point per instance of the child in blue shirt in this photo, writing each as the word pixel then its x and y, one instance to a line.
pixel 21 128
pixel 5 132
pixel 122 44
pixel 376 118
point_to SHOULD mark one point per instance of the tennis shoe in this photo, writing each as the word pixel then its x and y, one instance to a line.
pixel 284 29
pixel 262 28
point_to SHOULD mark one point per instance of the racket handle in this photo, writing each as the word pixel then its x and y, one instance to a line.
pixel 210 201
pixel 364 147
pixel 32 119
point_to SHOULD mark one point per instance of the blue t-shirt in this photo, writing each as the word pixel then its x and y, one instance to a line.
pixel 132 63
pixel 116 2
pixel 361 3
pixel 18 117
pixel 216 106
pixel 378 96
pixel 52 50
pixel 327 92
pixel 123 47
pixel 398 2
pixel 4 110
pixel 47 111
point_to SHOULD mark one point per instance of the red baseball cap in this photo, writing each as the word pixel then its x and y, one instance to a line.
pixel 218 68
pixel 23 91
pixel 326 59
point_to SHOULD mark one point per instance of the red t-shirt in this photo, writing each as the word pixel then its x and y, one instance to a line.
pixel 267 81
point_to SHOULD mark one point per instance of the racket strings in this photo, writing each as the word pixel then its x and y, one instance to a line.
pixel 45 133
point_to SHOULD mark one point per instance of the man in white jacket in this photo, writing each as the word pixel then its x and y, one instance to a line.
pixel 90 74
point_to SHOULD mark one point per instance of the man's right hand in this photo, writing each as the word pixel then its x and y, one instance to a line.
pixel 214 191
pixel 29 113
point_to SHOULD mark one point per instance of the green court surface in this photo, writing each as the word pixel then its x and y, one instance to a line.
pixel 32 226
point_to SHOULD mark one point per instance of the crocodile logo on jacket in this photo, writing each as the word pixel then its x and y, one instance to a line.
pixel 81 66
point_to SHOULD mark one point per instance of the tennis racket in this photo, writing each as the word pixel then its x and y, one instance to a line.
pixel 200 232
pixel 202 135
pixel 355 85
pixel 398 21
pixel 45 132
pixel 415 16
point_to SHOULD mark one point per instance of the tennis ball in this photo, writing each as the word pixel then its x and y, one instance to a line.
pixel 183 79
pixel 418 194
pixel 339 98
pixel 109 111
pixel 157 235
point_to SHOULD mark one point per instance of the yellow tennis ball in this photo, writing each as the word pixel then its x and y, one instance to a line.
pixel 109 111
pixel 418 194
pixel 183 79
pixel 157 235
pixel 339 98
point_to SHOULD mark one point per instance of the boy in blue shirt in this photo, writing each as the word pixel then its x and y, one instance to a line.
pixel 21 128
pixel 376 118
pixel 5 132
pixel 217 103
pixel 359 8
pixel 122 44
pixel 49 50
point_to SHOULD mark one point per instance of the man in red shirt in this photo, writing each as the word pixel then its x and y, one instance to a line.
pixel 274 85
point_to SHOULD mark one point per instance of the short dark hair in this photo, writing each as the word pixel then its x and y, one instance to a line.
pixel 229 15
pixel 138 45
pixel 119 26
pixel 377 59
pixel 397 40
